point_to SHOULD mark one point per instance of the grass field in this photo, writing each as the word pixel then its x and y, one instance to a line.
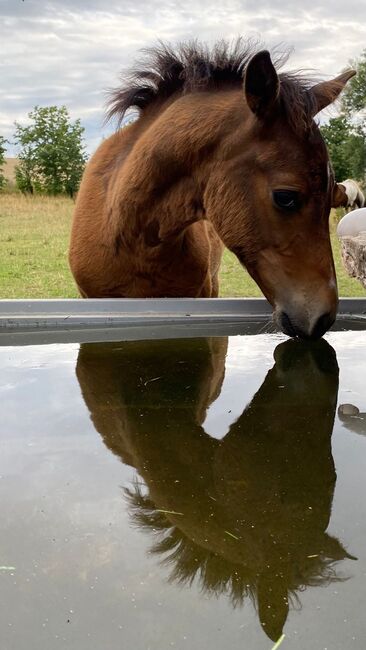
pixel 34 236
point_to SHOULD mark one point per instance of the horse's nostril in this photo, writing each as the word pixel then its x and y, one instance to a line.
pixel 322 325
pixel 296 328
pixel 286 325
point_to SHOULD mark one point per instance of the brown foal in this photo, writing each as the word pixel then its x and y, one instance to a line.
pixel 225 152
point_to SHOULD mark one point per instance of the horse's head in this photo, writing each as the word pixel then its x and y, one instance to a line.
pixel 274 192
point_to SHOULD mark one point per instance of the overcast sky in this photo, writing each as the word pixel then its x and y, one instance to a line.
pixel 71 51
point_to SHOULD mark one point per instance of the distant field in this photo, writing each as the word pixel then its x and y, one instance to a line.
pixel 34 238
pixel 9 169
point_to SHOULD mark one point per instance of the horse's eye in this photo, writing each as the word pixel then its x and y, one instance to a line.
pixel 288 200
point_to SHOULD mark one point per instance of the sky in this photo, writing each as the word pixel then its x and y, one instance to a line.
pixel 70 52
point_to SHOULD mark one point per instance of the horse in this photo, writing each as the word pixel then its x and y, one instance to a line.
pixel 225 153
pixel 353 196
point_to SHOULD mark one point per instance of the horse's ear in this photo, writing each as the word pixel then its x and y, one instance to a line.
pixel 261 84
pixel 327 92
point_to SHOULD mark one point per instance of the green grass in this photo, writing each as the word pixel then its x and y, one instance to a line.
pixel 34 237
pixel 234 280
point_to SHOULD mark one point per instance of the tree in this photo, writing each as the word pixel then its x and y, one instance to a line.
pixel 52 156
pixel 2 161
pixel 345 135
pixel 335 134
pixel 355 152
pixel 346 146
pixel 354 95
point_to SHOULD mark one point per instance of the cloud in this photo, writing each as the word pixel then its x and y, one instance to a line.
pixel 71 51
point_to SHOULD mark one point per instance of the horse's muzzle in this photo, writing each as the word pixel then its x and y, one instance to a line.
pixel 292 327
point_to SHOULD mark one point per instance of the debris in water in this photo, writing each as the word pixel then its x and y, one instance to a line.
pixel 316 555
pixel 170 512
pixel 231 534
pixel 153 379
pixel 7 568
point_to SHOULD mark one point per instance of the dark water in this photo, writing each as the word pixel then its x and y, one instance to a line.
pixel 189 494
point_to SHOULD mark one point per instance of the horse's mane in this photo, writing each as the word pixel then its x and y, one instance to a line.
pixel 191 67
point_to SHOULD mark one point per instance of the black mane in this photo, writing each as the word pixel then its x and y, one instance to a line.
pixel 192 66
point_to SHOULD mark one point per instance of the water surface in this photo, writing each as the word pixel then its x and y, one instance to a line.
pixel 200 493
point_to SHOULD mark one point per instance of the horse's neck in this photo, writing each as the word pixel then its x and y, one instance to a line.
pixel 162 180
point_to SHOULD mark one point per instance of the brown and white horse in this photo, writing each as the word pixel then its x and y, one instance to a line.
pixel 350 194
pixel 225 153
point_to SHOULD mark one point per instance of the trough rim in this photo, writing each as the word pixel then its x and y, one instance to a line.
pixel 35 321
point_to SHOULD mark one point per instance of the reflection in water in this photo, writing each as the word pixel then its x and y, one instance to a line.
pixel 352 418
pixel 247 515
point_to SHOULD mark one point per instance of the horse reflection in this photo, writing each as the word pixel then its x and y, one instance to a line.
pixel 247 515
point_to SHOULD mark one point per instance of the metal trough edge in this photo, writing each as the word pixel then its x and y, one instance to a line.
pixel 124 309
pixel 110 319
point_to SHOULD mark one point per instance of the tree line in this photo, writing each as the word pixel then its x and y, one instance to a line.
pixel 52 153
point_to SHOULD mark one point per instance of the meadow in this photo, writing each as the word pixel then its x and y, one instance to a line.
pixel 34 238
